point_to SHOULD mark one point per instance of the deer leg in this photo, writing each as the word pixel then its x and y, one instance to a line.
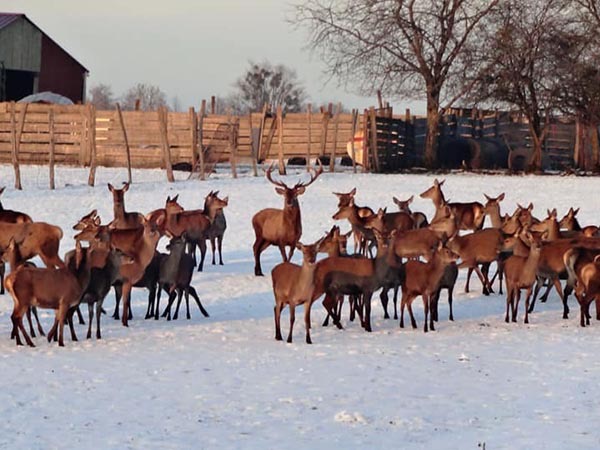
pixel 179 297
pixel 202 245
pixel 191 249
pixel 213 249
pixel 15 331
pixel 307 321
pixel 509 294
pixel 485 269
pixel 483 280
pixel 91 319
pixel 329 304
pixel 413 322
pixel 527 304
pixel 194 294
pixel 157 306
pixel 383 296
pixel 545 295
pixel 24 331
pixel 2 273
pixel 433 305
pixel 469 273
pixel 402 306
pixel 69 316
pixel 367 310
pixel 395 302
pixel 98 316
pixel 151 301
pixel 126 297
pixel 515 309
pixel 28 315
pixel 259 245
pixel 597 307
pixel 561 294
pixel 220 245
pixel 425 311
pixel 118 295
pixel 450 300
pixel 292 319
pixel 79 316
pixel 62 313
pixel 277 313
pixel 431 321
pixel 187 303
pixel 37 319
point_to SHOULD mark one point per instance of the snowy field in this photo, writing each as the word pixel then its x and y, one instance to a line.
pixel 224 382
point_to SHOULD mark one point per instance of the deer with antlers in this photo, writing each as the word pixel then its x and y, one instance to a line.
pixel 280 227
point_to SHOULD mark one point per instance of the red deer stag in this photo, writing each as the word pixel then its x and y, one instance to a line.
pixel 280 227
pixel 469 216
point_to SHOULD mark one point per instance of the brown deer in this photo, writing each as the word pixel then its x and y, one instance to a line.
pixel 141 248
pixel 160 215
pixel 419 219
pixel 583 266
pixel 8 215
pixel 569 222
pixel 482 246
pixel 123 219
pixel 49 288
pixel 469 216
pixel 361 226
pixel 424 279
pixel 280 227
pixel 293 286
pixel 345 199
pixel 520 273
pixel 492 210
pixel 35 239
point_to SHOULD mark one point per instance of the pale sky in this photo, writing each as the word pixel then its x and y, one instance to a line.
pixel 190 49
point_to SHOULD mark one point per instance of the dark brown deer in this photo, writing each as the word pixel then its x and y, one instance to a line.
pixel 49 288
pixel 35 239
pixel 293 286
pixel 123 219
pixel 424 279
pixel 469 216
pixel 419 219
pixel 280 227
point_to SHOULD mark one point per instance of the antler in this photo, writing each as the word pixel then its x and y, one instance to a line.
pixel 313 177
pixel 276 183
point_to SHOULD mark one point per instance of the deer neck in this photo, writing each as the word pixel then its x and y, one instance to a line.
pixel 553 230
pixel 119 210
pixel 435 270
pixel 495 217
pixel 291 215
pixel 530 267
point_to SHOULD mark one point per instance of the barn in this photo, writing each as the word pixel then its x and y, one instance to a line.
pixel 31 62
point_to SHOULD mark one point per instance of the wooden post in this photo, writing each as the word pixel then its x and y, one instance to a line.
pixel 93 159
pixel 352 134
pixel 16 139
pixel 324 128
pixel 379 99
pixel 373 143
pixel 193 136
pixel 164 134
pixel 138 103
pixel 232 144
pixel 83 139
pixel 126 141
pixel 200 137
pixel 52 141
pixel 213 104
pixel 280 141
pixel 365 143
pixel 253 149
pixel 262 131
pixel 336 122
pixel 309 134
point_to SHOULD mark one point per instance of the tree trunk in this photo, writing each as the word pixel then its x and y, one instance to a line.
pixel 537 139
pixel 431 139
pixel 593 130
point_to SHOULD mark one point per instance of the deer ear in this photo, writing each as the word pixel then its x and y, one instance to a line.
pixel 530 207
pixel 575 211
pixel 554 213
pixel 352 192
pixel 299 246
pixel 111 188
pixel 125 186
pixel 97 221
pixel 501 197
pixel 396 201
pixel 410 199
pixel 226 200
pixel 2 189
pixel 280 191
pixel 300 190
pixel 175 198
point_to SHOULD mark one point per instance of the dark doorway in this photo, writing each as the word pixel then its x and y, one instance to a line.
pixel 19 84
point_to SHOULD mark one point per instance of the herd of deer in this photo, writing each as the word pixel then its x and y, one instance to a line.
pixel 121 254
pixel 422 257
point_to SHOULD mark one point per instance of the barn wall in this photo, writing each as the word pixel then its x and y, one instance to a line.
pixel 21 46
pixel 60 73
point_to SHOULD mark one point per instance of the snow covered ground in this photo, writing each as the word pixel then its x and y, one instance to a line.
pixel 224 382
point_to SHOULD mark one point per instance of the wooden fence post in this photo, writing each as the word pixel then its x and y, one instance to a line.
pixel 324 128
pixel 83 141
pixel 193 136
pixel 373 143
pixel 126 141
pixel 309 134
pixel 93 160
pixel 365 142
pixel 201 137
pixel 164 134
pixel 213 104
pixel 232 144
pixel 16 139
pixel 336 122
pixel 352 133
pixel 52 141
pixel 263 119
pixel 253 149
pixel 280 131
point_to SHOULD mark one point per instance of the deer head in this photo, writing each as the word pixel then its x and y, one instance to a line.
pixel 290 194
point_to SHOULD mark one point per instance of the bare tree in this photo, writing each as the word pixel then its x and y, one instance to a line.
pixel 521 50
pixel 101 96
pixel 176 104
pixel 265 83
pixel 405 48
pixel 150 97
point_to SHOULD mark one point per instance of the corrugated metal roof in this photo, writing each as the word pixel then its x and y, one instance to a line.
pixel 8 18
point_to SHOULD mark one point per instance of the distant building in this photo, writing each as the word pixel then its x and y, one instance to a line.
pixel 31 62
